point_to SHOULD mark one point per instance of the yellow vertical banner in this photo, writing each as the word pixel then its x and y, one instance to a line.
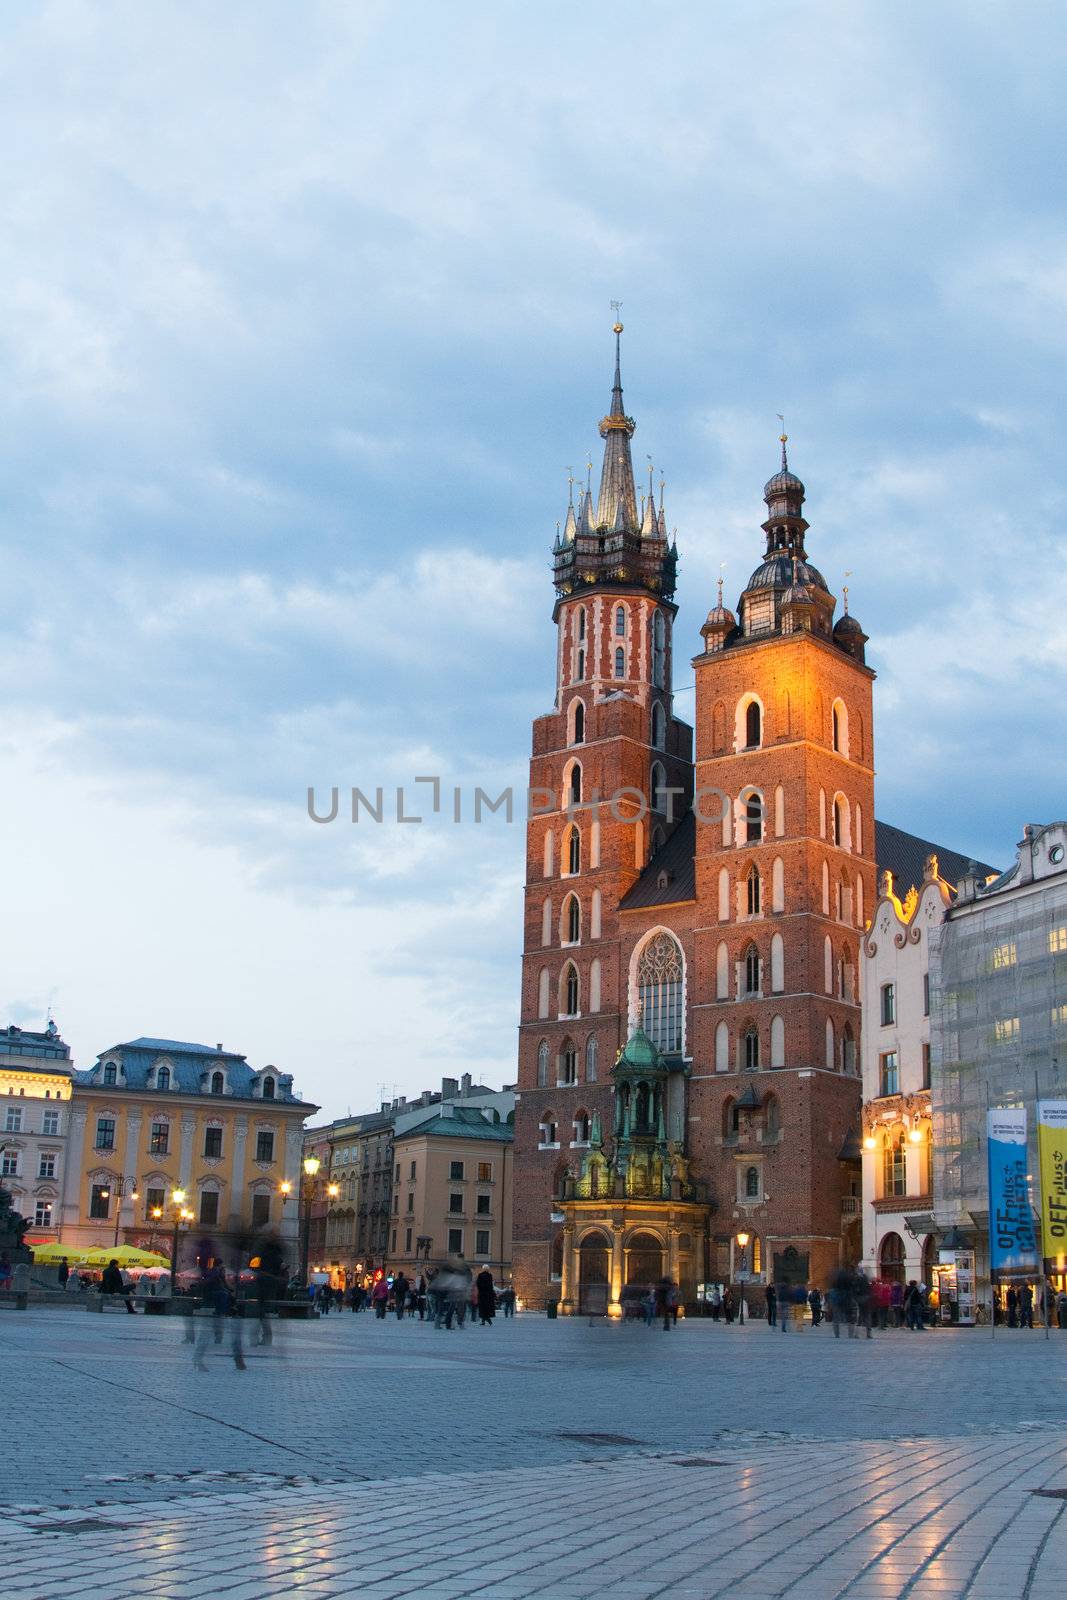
pixel 1052 1154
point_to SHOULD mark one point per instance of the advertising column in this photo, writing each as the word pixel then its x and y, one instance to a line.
pixel 1012 1244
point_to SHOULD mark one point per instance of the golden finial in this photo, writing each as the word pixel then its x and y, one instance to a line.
pixel 589 476
pixel 720 594
pixel 783 439
pixel 662 486
pixel 616 306
pixel 570 486
pixel 844 591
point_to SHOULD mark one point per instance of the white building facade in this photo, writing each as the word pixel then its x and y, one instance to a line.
pixel 899 1241
pixel 35 1090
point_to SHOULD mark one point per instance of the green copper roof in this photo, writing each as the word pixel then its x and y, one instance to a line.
pixel 640 1052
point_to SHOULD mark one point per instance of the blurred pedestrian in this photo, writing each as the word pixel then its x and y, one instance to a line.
pixel 1026 1306
pixel 728 1304
pixel 400 1295
pixel 379 1297
pixel 486 1292
pixel 815 1304
pixel 913 1307
pixel 772 1304
pixel 64 1273
pixel 663 1302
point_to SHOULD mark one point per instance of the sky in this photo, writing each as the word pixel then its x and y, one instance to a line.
pixel 304 316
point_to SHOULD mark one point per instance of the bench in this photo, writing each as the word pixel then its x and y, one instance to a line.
pixel 105 1302
pixel 17 1299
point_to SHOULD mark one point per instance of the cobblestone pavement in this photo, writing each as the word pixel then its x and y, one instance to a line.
pixel 532 1458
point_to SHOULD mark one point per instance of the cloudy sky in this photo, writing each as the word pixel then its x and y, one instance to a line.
pixel 304 313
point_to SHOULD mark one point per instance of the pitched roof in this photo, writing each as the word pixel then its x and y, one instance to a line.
pixel 460 1128
pixel 903 854
pixel 188 1065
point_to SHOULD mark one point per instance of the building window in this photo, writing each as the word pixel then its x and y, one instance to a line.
pixel 153 1201
pixel 99 1195
pixel 837 728
pixel 753 725
pixel 581 666
pixel 455 1241
pixel 393 1245
pixel 926 994
pixel 926 1066
pixel 574 852
pixel 51 1122
pixel 659 726
pixel 455 1171
pixel 889 1004
pixel 163 1078
pixel 217 1083
pixel 481 1245
pixel 1006 1030
pixel 753 893
pixel 46 1166
pixel 1003 955
pixel 570 990
pixel 485 1172
pixel 260 1210
pixel 888 1076
pixel 659 990
pixel 411 1173
pixel 549 1132
pixel 751 1050
pixel 579 723
pixel 751 970
pixel 581 622
pixel 105 1133
pixel 42 1214
pixel 1057 940
pixel 751 1183
pixel 159 1139
pixel 582 1128
pixel 411 1202
pixel 9 1164
pixel 265 1145
pixel 484 1205
pixel 574 920
pixel 209 1206
pixel 839 823
pixel 620 662
pixel 620 621
pixel 268 1088
pixel 13 1120
pixel 213 1143
pixel 568 1066
pixel 110 1074
pixel 542 1065
pixel 591 1054
pixel 893 1171
pixel 753 819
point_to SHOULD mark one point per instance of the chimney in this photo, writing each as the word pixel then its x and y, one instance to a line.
pixel 449 1088
pixel 218 1046
pixel 385 1105
pixel 465 1083
pixel 426 1097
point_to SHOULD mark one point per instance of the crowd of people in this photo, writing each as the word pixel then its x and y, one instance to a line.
pixel 443 1295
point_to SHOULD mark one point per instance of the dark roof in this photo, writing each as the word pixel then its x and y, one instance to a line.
pixel 903 854
pixel 675 857
pixel 851 1149
pixel 16 1041
pixel 189 1066
pixel 461 1128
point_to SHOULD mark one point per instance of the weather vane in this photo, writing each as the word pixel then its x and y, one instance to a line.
pixel 844 591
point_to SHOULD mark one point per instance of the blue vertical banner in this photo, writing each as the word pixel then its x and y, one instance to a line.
pixel 1012 1242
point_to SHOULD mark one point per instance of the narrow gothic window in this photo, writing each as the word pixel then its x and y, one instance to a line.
pixel 591 1060
pixel 752 725
pixel 837 729
pixel 620 662
pixel 581 1127
pixel 658 726
pixel 659 784
pixel 579 723
pixel 581 624
pixel 574 920
pixel 751 970
pixel 659 650
pixel 542 1065
pixel 570 991
pixel 659 989
pixel 752 1050
pixel 576 784
pixel 574 851
pixel 620 621
pixel 753 893
pixel 581 665
pixel 754 819
pixel 568 1065
pixel 839 823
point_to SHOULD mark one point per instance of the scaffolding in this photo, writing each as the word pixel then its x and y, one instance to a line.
pixel 998 1032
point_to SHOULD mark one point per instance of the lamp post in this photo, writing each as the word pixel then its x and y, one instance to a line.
pixel 181 1214
pixel 742 1274
pixel 121 1187
pixel 311 1166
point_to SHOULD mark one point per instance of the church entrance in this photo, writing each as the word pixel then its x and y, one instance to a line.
pixel 594 1260
pixel 644 1259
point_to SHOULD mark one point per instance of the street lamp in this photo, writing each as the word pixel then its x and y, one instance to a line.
pixel 742 1273
pixel 311 1166
pixel 122 1187
pixel 181 1214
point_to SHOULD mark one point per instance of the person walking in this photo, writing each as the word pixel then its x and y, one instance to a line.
pixel 716 1303
pixel 896 1303
pixel 861 1290
pixel 111 1283
pixel 728 1303
pixel 663 1302
pixel 1026 1306
pixel 63 1274
pixel 785 1309
pixel 486 1291
pixel 815 1303
pixel 772 1304
pixel 400 1295
pixel 1013 1307
pixel 379 1296
pixel 913 1307
pixel 841 1304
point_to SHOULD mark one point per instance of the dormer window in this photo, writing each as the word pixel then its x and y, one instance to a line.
pixel 163 1078
pixel 110 1074
pixel 218 1083
pixel 268 1088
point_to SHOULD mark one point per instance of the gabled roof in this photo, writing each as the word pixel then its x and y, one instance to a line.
pixel 903 854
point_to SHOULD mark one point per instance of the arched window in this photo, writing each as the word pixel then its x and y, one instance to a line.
pixel 110 1073
pixel 591 1059
pixel 724 894
pixel 751 970
pixel 218 1083
pixel 574 851
pixel 751 1183
pixel 891 1259
pixel 753 893
pixel 550 853
pixel 568 1066
pixel 594 920
pixel 722 971
pixel 268 1088
pixel 579 723
pixel 572 920
pixel 777 1041
pixel 848 1049
pixel 839 727
pixel 731 1118
pixel 163 1078
pixel 659 650
pixel 777 963
pixel 542 1064
pixel 659 990
pixel 543 981
pixel 722 1048
pixel 751 1050
pixel 658 785
pixel 576 784
pixel 753 725
pixel 757 1256
pixel 659 726
pixel 568 990
pixel 581 1127
pixel 620 621
pixel 772 1117
pixel 779 812
pixel 754 817
pixel 546 921
pixel 594 984
pixel 893 1174
pixel 580 673
pixel 831 1047
pixel 777 884
pixel 620 662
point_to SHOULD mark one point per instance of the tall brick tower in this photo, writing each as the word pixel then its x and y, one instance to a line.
pixel 603 765
pixel 784 871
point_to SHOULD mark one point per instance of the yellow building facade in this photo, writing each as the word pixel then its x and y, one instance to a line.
pixel 157 1117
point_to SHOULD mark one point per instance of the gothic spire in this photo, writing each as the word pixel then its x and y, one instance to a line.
pixel 617 477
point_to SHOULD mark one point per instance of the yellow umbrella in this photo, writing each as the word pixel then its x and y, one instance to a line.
pixel 45 1255
pixel 127 1255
